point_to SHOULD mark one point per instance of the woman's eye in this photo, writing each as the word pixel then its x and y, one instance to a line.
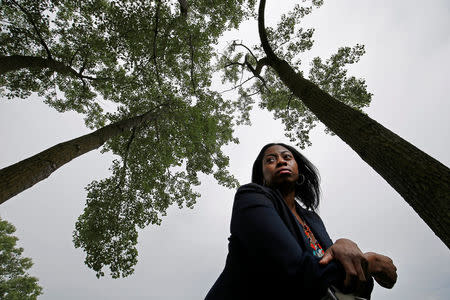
pixel 288 156
pixel 269 160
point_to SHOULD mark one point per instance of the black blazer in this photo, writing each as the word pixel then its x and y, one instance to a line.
pixel 269 256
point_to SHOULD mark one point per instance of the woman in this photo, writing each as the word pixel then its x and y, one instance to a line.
pixel 276 247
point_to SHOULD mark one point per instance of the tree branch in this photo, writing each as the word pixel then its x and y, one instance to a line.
pixel 259 67
pixel 184 8
pixel 263 34
pixel 73 57
pixel 125 158
pixel 289 103
pixel 255 71
pixel 155 61
pixel 260 64
pixel 192 63
pixel 30 19
pixel 248 49
pixel 17 62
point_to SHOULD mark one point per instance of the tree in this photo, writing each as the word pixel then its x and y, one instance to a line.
pixel 336 100
pixel 24 174
pixel 152 62
pixel 15 282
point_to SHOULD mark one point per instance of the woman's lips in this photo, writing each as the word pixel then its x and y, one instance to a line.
pixel 284 171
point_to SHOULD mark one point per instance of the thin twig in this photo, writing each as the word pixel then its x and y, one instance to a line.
pixel 237 86
pixel 252 94
pixel 233 64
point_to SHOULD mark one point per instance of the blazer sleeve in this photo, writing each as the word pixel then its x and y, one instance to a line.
pixel 265 237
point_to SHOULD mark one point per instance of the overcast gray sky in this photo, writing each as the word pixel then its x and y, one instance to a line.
pixel 407 68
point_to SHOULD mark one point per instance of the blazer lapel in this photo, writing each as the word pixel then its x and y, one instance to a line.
pixel 316 227
pixel 289 219
pixel 294 227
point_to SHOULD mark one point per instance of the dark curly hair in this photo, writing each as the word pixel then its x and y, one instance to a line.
pixel 307 193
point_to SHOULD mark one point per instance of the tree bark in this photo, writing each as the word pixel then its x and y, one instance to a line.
pixel 17 62
pixel 26 173
pixel 420 179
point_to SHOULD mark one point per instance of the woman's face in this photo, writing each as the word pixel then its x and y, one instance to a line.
pixel 279 166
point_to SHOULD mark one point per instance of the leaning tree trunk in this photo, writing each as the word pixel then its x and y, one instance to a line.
pixel 26 173
pixel 18 62
pixel 420 179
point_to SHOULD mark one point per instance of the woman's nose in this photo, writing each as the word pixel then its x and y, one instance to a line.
pixel 281 161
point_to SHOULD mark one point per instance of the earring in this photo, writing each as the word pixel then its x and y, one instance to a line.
pixel 264 182
pixel 302 181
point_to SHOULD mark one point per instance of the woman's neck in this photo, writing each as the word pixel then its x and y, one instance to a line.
pixel 289 197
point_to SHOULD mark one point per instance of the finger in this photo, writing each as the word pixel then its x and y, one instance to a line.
pixel 350 275
pixel 361 288
pixel 359 268
pixel 327 257
pixel 389 285
pixel 392 279
pixel 350 283
pixel 384 283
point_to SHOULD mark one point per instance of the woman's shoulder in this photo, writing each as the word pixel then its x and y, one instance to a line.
pixel 257 189
pixel 252 187
pixel 254 194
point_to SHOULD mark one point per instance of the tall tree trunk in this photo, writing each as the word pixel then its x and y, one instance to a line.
pixel 26 173
pixel 420 179
pixel 17 62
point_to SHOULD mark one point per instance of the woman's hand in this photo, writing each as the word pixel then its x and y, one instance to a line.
pixel 382 269
pixel 354 262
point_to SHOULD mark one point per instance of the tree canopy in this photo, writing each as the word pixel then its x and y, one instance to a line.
pixel 114 60
pixel 15 282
